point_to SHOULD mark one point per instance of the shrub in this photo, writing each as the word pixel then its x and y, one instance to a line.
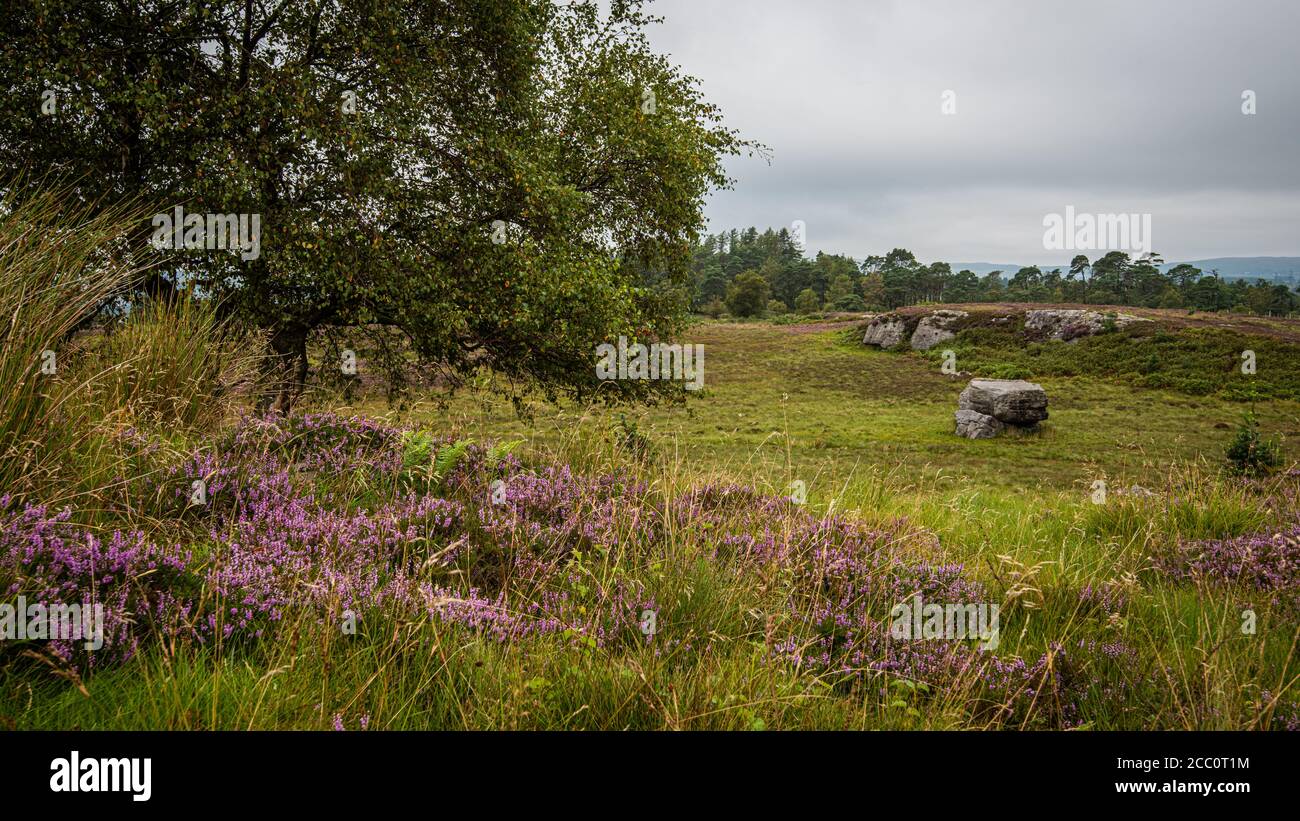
pixel 748 294
pixel 1250 454
pixel 1267 562
pixel 807 302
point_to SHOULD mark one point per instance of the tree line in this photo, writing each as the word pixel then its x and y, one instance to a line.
pixel 748 273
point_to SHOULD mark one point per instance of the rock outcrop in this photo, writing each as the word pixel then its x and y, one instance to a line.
pixel 933 329
pixel 1071 324
pixel 890 331
pixel 885 332
pixel 987 406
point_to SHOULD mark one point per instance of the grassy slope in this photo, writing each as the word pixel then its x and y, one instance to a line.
pixel 869 432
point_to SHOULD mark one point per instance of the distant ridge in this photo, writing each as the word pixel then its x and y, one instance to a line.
pixel 983 268
pixel 1282 269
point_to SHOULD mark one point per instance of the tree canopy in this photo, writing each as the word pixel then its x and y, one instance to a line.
pixel 484 182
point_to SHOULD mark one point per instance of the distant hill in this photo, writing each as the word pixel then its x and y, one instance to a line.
pixel 1007 268
pixel 1280 269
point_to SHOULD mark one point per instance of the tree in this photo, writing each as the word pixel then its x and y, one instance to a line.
pixel 1171 297
pixel 1259 297
pixel 1079 268
pixel 711 283
pixel 748 294
pixel 1208 294
pixel 850 302
pixel 1025 283
pixel 827 268
pixel 463 173
pixel 873 290
pixel 1144 282
pixel 1183 275
pixel 1282 301
pixel 899 277
pixel 807 302
pixel 932 280
pixel 784 279
pixel 993 286
pixel 965 287
pixel 872 265
pixel 840 288
pixel 1110 276
pixel 1250 453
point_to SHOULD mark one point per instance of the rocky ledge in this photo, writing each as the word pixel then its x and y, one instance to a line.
pixel 889 330
pixel 921 332
pixel 1072 324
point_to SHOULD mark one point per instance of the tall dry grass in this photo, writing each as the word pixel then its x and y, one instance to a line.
pixel 172 364
pixel 66 390
pixel 59 262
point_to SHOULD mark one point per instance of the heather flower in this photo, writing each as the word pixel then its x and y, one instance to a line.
pixel 326 514
pixel 1265 562
pixel 49 560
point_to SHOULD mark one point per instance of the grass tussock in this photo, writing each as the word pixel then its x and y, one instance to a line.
pixel 172 364
pixel 59 264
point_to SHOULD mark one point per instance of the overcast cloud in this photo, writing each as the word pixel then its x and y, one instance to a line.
pixel 1111 107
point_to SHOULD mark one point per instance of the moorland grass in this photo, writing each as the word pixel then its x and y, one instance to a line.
pixel 870 435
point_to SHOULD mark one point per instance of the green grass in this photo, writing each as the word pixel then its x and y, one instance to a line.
pixel 871 435
pixel 789 402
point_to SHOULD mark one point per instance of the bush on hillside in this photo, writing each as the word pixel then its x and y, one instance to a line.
pixel 1250 454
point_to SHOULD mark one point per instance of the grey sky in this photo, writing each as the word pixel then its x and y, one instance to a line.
pixel 1112 107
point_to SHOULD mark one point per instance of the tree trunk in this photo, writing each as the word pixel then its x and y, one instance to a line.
pixel 284 375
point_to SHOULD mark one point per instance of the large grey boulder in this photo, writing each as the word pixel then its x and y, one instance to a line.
pixel 975 425
pixel 885 332
pixel 933 329
pixel 1071 323
pixel 1012 401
